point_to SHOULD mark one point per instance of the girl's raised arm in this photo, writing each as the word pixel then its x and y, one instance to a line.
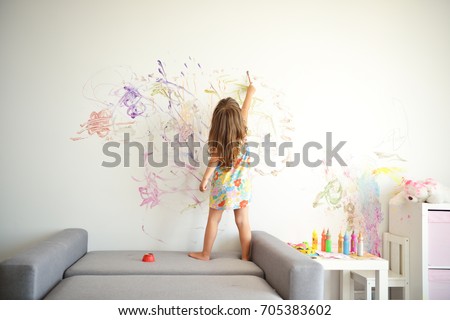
pixel 248 99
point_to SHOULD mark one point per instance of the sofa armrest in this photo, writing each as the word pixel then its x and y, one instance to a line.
pixel 34 272
pixel 293 275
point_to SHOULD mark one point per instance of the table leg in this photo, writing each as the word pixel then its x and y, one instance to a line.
pixel 344 279
pixel 381 284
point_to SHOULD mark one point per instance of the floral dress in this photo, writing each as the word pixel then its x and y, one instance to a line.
pixel 231 187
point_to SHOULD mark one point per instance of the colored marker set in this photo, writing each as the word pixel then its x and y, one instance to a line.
pixel 347 244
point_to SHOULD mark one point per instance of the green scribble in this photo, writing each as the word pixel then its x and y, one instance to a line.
pixel 331 194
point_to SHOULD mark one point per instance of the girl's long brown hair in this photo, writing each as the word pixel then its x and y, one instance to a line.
pixel 228 131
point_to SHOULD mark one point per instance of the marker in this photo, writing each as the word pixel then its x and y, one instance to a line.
pixel 340 243
pixel 314 240
pixel 323 246
pixel 353 243
pixel 346 243
pixel 328 241
pixel 360 245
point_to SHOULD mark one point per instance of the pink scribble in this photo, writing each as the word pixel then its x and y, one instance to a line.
pixel 144 231
pixel 150 193
pixel 197 201
pixel 185 131
pixel 370 208
pixel 99 123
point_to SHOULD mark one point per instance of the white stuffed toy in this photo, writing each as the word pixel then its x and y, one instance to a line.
pixel 428 190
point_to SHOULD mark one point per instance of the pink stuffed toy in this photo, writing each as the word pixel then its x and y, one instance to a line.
pixel 428 190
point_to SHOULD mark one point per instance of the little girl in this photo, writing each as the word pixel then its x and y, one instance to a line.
pixel 229 165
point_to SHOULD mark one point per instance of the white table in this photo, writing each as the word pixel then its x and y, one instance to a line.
pixel 346 265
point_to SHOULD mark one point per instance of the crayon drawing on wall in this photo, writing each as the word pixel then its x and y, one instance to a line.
pixel 355 189
pixel 163 107
pixel 173 105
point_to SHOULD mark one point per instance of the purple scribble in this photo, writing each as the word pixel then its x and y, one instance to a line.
pixel 132 101
pixel 170 85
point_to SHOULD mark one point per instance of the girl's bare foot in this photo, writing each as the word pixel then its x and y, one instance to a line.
pixel 199 256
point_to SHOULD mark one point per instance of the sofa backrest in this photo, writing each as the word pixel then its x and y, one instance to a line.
pixel 31 274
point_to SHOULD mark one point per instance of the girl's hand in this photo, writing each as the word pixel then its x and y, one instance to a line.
pixel 203 185
pixel 251 90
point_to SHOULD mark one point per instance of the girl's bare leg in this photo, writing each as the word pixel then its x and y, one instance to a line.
pixel 210 235
pixel 245 233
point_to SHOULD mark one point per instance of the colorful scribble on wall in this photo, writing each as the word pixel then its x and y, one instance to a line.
pixel 170 106
pixel 174 104
pixel 356 192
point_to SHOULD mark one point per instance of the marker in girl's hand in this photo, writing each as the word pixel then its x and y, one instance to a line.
pixel 250 89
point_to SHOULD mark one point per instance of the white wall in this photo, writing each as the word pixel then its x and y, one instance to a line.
pixel 360 69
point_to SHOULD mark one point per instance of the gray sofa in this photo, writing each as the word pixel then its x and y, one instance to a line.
pixel 61 268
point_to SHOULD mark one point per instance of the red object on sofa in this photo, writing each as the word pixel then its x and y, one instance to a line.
pixel 148 257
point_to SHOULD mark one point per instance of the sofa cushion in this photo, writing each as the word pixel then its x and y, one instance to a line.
pixel 174 287
pixel 166 263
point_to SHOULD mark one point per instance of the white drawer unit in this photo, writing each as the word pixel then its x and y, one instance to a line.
pixel 428 228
